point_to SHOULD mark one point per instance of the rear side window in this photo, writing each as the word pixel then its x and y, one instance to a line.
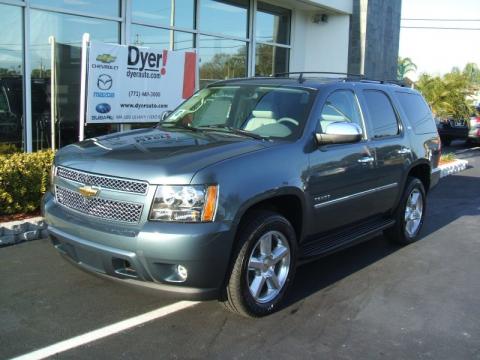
pixel 418 113
pixel 383 118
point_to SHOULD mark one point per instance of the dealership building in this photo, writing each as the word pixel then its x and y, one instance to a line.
pixel 233 38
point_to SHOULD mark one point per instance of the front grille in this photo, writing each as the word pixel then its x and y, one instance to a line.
pixel 101 208
pixel 101 181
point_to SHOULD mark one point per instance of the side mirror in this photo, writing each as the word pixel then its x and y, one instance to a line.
pixel 340 133
pixel 165 114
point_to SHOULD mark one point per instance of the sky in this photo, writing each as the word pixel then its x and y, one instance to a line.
pixel 437 51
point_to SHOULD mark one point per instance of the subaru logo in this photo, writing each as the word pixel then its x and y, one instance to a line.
pixel 103 108
pixel 104 82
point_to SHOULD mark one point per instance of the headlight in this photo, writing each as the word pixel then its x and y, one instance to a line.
pixel 191 203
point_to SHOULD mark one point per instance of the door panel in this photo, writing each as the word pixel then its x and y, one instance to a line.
pixel 389 143
pixel 339 186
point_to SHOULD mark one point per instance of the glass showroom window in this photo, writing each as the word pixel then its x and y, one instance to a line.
pixel 161 13
pixel 160 38
pixel 11 79
pixel 221 59
pixel 228 18
pixel 68 31
pixel 272 34
pixel 99 8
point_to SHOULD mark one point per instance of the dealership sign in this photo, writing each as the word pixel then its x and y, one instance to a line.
pixel 129 84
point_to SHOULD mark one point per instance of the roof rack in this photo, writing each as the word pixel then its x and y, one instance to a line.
pixel 301 77
pixel 347 77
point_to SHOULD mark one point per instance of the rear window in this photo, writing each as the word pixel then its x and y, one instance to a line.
pixel 382 116
pixel 418 112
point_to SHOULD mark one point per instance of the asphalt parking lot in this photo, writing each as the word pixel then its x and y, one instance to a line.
pixel 372 301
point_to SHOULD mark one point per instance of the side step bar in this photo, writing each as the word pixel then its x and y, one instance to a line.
pixel 342 239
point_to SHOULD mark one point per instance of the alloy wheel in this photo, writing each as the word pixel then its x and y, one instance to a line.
pixel 268 266
pixel 413 212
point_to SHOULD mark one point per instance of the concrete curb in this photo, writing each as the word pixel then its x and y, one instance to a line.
pixel 14 232
pixel 453 167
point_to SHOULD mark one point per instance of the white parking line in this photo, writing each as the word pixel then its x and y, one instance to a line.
pixel 105 331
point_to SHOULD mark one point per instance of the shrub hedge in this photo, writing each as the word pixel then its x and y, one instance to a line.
pixel 24 178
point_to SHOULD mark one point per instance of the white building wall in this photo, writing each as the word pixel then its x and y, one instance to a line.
pixel 319 46
pixel 345 6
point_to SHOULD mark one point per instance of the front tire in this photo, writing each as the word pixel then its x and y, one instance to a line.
pixel 410 213
pixel 264 266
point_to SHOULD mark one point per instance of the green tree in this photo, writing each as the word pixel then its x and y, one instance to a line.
pixel 472 72
pixel 448 96
pixel 404 66
pixel 224 66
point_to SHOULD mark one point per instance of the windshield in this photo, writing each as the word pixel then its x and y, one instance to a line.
pixel 272 112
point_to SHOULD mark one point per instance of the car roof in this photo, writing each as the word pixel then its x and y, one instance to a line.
pixel 311 82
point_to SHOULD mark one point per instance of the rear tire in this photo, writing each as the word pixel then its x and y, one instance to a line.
pixel 264 265
pixel 410 214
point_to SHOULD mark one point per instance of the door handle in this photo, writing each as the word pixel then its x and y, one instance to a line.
pixel 366 160
pixel 404 151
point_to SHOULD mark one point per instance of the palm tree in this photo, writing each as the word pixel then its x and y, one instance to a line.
pixel 405 65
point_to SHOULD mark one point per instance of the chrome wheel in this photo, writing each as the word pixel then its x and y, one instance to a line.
pixel 268 266
pixel 413 212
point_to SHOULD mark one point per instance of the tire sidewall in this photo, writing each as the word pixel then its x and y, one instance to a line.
pixel 277 223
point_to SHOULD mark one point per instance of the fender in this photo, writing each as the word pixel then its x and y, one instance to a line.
pixel 421 161
pixel 271 194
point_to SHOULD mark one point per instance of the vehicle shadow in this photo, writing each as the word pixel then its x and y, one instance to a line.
pixel 454 197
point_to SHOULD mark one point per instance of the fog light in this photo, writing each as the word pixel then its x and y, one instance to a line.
pixel 182 272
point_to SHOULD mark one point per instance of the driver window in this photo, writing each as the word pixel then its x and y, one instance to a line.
pixel 340 106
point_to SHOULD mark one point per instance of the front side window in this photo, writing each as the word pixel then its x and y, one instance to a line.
pixel 382 116
pixel 340 106
pixel 270 112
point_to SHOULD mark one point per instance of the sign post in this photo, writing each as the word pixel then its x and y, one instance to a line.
pixel 53 92
pixel 83 85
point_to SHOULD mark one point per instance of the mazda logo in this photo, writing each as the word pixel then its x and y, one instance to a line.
pixel 104 82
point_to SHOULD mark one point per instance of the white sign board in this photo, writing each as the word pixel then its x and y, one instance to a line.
pixel 129 84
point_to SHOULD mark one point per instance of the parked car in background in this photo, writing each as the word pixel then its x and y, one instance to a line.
pixel 474 132
pixel 451 129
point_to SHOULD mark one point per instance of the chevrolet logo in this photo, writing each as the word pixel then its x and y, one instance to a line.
pixel 88 191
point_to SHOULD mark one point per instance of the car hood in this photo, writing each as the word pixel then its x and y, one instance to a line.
pixel 155 154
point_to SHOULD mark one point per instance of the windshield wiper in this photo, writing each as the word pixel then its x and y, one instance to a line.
pixel 172 125
pixel 234 130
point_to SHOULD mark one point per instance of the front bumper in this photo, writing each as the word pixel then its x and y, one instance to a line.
pixel 146 254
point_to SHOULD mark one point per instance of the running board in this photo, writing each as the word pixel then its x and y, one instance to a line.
pixel 342 239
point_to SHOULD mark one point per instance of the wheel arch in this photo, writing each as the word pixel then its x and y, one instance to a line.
pixel 289 202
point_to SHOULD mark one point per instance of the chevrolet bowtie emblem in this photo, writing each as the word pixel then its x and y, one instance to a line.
pixel 88 191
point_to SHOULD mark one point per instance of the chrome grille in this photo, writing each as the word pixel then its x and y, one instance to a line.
pixel 106 182
pixel 102 208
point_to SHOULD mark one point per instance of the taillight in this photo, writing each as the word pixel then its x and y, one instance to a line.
pixel 478 132
pixel 477 120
